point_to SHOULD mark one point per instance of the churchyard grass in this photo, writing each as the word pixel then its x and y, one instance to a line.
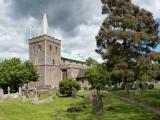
pixel 114 109
pixel 150 97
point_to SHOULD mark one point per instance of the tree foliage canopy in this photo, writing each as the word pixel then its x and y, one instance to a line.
pixel 126 40
pixel 15 73
pixel 98 77
pixel 90 61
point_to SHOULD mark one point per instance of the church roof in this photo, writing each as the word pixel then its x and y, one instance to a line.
pixel 72 57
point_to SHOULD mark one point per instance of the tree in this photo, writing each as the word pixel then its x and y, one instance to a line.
pixel 29 72
pixel 15 73
pixel 90 61
pixel 127 34
pixel 98 77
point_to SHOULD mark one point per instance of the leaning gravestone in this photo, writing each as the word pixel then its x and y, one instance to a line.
pixel 97 103
pixel 35 92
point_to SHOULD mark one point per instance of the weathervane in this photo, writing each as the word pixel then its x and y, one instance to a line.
pixel 30 31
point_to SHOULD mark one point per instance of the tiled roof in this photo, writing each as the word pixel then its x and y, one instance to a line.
pixel 72 57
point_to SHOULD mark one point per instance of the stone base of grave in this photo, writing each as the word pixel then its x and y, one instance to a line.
pixel 24 99
pixel 42 101
pixel 12 96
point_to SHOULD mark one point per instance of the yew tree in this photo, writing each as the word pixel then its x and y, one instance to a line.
pixel 127 34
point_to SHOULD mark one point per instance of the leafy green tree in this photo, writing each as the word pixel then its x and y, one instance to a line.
pixel 90 61
pixel 98 77
pixel 15 73
pixel 66 86
pixel 126 34
pixel 29 72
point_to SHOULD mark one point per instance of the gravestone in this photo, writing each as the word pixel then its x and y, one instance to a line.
pixel 88 97
pixel 50 93
pixel 74 92
pixel 59 118
pixel 35 99
pixel 25 95
pixel 57 92
pixel 97 103
pixel 20 91
pixel 1 94
pixel 35 92
pixel 9 89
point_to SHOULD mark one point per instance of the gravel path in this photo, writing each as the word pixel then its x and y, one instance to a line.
pixel 133 102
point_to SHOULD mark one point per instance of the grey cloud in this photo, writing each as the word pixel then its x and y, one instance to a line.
pixel 65 15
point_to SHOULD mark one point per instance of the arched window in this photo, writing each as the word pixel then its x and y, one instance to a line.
pixel 34 49
pixel 39 47
pixel 53 62
pixel 56 49
pixel 50 47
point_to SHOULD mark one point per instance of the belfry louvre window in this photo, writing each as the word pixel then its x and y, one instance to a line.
pixel 50 47
pixel 34 49
pixel 56 49
pixel 53 62
pixel 39 48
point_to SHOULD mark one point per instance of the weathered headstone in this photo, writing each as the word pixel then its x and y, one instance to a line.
pixel 25 95
pixel 74 92
pixel 50 93
pixel 57 92
pixel 59 118
pixel 88 97
pixel 35 99
pixel 20 91
pixel 145 86
pixel 9 90
pixel 35 92
pixel 1 94
pixel 97 103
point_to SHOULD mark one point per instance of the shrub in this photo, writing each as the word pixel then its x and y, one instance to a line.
pixel 65 86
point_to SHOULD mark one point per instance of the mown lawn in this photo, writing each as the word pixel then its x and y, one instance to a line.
pixel 16 110
pixel 151 97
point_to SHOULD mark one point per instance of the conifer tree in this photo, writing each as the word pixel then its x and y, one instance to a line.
pixel 127 35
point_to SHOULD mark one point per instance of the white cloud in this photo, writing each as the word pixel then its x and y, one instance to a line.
pixel 14 33
pixel 150 5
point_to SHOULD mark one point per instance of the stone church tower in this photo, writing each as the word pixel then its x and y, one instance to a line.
pixel 45 54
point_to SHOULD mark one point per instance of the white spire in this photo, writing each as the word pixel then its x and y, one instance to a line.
pixel 45 25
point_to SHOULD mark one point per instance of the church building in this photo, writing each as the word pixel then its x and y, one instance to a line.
pixel 53 65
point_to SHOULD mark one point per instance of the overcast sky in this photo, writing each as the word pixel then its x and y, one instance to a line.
pixel 75 22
